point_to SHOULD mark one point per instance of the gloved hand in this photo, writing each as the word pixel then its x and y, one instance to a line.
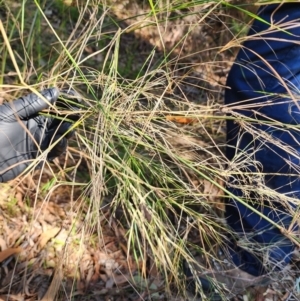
pixel 24 133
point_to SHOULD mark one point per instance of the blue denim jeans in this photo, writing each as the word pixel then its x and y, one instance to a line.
pixel 264 83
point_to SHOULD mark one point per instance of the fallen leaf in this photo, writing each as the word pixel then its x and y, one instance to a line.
pixel 181 119
pixel 3 244
pixel 46 236
pixel 9 252
pixel 120 279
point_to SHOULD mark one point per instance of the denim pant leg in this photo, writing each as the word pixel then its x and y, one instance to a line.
pixel 266 71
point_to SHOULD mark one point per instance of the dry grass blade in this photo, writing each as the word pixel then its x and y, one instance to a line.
pixel 142 184
pixel 54 286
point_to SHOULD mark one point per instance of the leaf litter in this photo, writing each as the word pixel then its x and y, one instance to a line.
pixel 40 257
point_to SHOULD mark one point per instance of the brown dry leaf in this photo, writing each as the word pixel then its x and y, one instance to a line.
pixel 95 277
pixel 3 244
pixel 181 119
pixel 117 279
pixel 9 252
pixel 19 198
pixel 46 236
pixel 103 277
pixel 121 279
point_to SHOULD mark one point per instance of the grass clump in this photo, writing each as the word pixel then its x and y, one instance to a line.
pixel 141 184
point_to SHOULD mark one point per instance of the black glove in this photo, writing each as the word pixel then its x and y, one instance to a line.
pixel 24 133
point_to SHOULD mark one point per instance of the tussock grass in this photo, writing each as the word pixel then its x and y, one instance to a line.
pixel 157 183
